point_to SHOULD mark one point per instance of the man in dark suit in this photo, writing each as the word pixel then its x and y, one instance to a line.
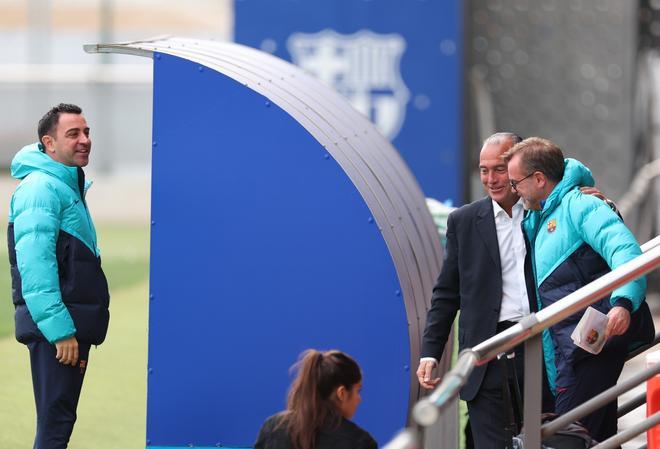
pixel 483 275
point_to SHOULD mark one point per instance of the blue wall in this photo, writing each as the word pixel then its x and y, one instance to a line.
pixel 261 248
pixel 430 68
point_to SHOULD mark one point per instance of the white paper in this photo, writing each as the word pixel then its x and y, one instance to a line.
pixel 589 334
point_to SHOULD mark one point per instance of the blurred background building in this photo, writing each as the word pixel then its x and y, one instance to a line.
pixel 42 63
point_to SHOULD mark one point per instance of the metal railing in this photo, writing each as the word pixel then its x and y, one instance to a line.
pixel 528 330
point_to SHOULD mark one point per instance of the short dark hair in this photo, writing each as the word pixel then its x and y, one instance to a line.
pixel 500 137
pixel 49 121
pixel 538 154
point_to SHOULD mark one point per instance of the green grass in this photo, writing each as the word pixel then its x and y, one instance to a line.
pixel 112 412
pixel 125 256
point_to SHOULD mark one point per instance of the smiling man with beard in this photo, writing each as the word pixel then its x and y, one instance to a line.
pixel 58 287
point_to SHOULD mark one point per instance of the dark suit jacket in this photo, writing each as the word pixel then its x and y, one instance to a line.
pixel 470 280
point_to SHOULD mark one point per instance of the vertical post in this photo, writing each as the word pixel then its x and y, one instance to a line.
pixel 445 432
pixel 533 385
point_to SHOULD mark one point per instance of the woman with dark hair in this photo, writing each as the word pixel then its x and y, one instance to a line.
pixel 322 399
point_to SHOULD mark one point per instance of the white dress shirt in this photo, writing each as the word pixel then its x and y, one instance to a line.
pixel 515 303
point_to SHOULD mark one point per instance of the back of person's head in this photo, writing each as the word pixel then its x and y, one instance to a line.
pixel 538 154
pixel 48 122
pixel 324 381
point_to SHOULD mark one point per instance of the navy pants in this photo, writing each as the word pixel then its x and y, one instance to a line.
pixel 591 376
pixel 56 393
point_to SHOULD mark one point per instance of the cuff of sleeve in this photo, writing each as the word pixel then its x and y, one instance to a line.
pixel 625 303
pixel 428 359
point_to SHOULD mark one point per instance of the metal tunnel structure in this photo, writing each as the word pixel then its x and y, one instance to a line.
pixel 281 220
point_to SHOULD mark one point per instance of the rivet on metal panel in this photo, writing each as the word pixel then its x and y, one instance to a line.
pixel 406 368
pixel 370 220
pixel 153 222
pixel 326 156
pixel 154 144
pixel 151 297
pixel 398 292
pixel 157 55
pixel 268 104
pixel 148 442
pixel 151 370
pixel 200 68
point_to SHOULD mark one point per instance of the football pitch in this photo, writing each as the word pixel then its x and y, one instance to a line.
pixel 112 409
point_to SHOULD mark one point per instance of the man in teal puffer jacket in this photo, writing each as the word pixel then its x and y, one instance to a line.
pixel 575 239
pixel 58 287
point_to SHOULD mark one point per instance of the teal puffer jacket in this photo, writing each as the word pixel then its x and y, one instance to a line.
pixel 58 287
pixel 575 239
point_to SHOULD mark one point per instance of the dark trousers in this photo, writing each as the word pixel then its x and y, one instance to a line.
pixel 591 376
pixel 56 393
pixel 488 410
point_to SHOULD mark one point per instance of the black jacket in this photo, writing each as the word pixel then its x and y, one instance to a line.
pixel 346 435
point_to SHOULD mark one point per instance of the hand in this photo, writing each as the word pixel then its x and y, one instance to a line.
pixel 618 321
pixel 593 191
pixel 424 374
pixel 67 351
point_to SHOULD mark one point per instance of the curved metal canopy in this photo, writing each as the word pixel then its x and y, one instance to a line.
pixel 373 165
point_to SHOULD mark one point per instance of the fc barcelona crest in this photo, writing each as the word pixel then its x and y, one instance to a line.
pixel 365 67
pixel 552 225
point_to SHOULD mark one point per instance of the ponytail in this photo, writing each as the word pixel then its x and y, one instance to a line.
pixel 310 403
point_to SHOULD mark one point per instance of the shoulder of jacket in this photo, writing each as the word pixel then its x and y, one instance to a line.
pixel 37 181
pixel 38 185
pixel 579 204
pixel 471 209
pixel 359 434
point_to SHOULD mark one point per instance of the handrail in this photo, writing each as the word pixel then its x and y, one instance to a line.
pixel 630 433
pixel 634 353
pixel 598 401
pixel 650 244
pixel 427 410
pixel 631 405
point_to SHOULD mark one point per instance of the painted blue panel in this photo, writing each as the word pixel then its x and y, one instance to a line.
pixel 261 248
pixel 340 32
